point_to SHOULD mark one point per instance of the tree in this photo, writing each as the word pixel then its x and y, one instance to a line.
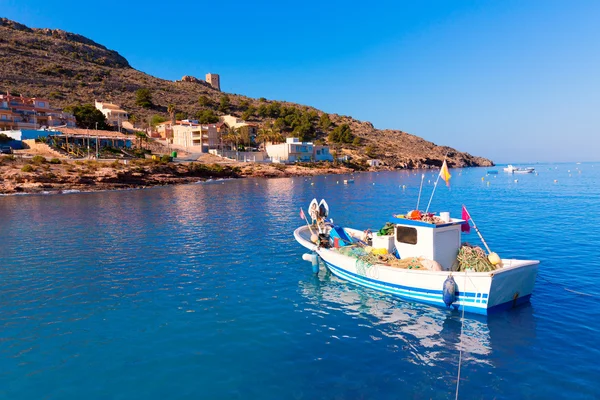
pixel 143 98
pixel 157 119
pixel 246 115
pixel 324 122
pixel 141 137
pixel 263 135
pixel 356 141
pixel 204 101
pixel 207 117
pixel 171 111
pixel 181 115
pixel 87 116
pixel 231 137
pixel 262 111
pixel 224 104
pixel 341 134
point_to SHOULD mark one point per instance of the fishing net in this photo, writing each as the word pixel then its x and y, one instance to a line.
pixel 473 258
pixel 365 260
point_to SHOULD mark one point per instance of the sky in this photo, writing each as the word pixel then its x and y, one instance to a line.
pixel 513 81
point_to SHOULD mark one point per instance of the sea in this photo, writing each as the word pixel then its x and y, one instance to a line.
pixel 199 291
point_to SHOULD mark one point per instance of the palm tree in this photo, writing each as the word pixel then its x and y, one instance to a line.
pixel 171 111
pixel 263 136
pixel 231 136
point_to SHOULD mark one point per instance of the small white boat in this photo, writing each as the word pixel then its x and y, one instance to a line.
pixel 508 285
pixel 516 170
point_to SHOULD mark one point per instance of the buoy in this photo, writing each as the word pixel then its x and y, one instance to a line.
pixel 312 184
pixel 449 291
pixel 494 258
pixel 483 178
pixel 556 181
pixel 516 180
pixel 488 183
pixel 314 260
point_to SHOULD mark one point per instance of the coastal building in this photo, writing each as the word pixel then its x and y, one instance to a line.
pixel 196 138
pixel 321 153
pixel 294 150
pixel 247 128
pixel 374 163
pixel 213 80
pixel 82 142
pixel 30 113
pixel 114 114
pixel 164 130
pixel 72 140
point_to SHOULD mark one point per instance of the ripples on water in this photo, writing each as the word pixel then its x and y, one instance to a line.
pixel 199 291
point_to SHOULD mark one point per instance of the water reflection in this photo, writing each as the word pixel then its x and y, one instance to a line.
pixel 430 335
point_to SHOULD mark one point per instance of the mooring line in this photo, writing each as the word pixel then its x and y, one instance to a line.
pixel 462 324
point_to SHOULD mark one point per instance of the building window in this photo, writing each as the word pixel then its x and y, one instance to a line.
pixel 41 104
pixel 406 235
pixel 4 117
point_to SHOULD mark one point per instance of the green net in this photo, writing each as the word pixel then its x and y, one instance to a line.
pixel 473 258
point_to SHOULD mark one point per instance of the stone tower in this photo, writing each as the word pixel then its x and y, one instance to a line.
pixel 213 80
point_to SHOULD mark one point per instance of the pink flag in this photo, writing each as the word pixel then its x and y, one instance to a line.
pixel 465 227
pixel 302 214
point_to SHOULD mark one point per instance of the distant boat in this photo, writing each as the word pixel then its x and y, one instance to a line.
pixel 347 181
pixel 516 170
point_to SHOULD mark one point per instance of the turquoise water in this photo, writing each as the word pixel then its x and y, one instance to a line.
pixel 199 291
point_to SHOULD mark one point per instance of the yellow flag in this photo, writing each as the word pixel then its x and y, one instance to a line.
pixel 445 174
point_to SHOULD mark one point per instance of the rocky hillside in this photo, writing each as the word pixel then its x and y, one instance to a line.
pixel 70 69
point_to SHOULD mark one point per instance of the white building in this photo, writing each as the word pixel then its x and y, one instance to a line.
pixel 374 163
pixel 113 113
pixel 196 138
pixel 294 150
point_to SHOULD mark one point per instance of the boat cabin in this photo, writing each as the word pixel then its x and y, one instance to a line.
pixel 439 242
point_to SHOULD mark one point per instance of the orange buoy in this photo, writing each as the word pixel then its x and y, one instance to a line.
pixel 414 214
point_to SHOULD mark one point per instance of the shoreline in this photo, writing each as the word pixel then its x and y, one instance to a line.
pixel 20 176
pixel 38 175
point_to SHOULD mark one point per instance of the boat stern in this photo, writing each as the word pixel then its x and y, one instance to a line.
pixel 512 285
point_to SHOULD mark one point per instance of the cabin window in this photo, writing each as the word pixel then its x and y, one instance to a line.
pixel 405 234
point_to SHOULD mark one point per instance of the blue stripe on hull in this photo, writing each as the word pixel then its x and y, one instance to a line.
pixel 433 297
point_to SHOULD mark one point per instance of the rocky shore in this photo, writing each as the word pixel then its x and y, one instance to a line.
pixel 41 175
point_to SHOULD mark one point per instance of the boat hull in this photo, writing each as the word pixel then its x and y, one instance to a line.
pixel 478 292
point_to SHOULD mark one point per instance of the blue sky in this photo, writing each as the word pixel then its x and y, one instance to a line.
pixel 513 81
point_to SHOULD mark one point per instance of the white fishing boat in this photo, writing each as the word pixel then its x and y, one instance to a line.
pixel 417 261
pixel 528 170
pixel 511 169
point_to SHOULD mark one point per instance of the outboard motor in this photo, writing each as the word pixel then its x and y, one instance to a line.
pixel 449 291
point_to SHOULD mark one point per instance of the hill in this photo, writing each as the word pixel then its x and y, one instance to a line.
pixel 70 69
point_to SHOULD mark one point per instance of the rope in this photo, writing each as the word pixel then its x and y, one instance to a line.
pixel 462 324
pixel 473 258
pixel 571 290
